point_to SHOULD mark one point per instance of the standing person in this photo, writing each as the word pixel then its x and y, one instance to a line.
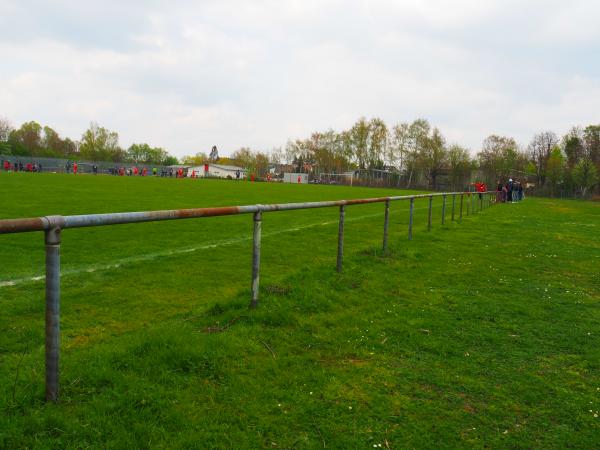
pixel 515 192
pixel 20 166
pixel 144 172
pixel 75 168
pixel 521 194
pixel 6 165
pixel 509 186
pixel 499 192
pixel 39 168
pixel 299 179
pixel 135 170
pixel 237 174
pixel 154 171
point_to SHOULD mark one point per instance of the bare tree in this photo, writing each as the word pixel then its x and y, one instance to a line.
pixel 540 149
pixel 5 129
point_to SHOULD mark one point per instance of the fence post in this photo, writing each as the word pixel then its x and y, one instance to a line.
pixel 429 216
pixel 52 240
pixel 410 218
pixel 472 203
pixel 385 225
pixel 481 203
pixel 453 205
pixel 256 258
pixel 461 206
pixel 443 209
pixel 340 253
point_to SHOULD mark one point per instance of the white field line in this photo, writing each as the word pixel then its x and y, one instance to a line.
pixel 152 256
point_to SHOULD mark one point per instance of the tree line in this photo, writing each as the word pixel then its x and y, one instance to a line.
pixel 416 153
pixel 421 156
pixel 96 144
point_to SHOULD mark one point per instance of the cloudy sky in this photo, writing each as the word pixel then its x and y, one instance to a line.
pixel 186 75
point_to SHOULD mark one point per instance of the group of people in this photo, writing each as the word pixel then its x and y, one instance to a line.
pixel 511 191
pixel 18 166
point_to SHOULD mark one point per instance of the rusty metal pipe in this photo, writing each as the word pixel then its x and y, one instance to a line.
pixel 444 209
pixel 453 205
pixel 410 218
pixel 340 251
pixel 256 258
pixel 52 241
pixel 386 222
pixel 429 214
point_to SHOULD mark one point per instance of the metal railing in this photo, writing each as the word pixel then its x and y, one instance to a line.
pixel 52 226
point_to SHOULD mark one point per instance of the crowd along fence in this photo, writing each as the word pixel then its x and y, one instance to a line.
pixel 52 226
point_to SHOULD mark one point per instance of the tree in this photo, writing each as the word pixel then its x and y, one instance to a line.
pixel 261 164
pixel 100 144
pixel 555 168
pixel 591 137
pixel 540 148
pixel 27 140
pixel 573 146
pixel 359 142
pixel 5 129
pixel 144 154
pixel 399 145
pixel 418 135
pixel 459 165
pixel 432 157
pixel 198 159
pixel 498 158
pixel 378 135
pixel 244 158
pixel 585 175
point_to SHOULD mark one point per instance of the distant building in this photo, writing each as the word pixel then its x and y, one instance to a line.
pixel 216 171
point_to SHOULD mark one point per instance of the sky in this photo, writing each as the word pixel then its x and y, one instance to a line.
pixel 187 75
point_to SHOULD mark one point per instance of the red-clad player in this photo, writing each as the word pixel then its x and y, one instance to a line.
pixel 480 187
pixel 144 172
pixel 74 168
pixel 6 165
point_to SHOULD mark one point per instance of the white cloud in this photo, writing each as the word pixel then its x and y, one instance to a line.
pixel 187 75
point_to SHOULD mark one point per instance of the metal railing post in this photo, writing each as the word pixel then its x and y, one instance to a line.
pixel 429 215
pixel 472 203
pixel 386 225
pixel 340 252
pixel 52 240
pixel 461 207
pixel 481 203
pixel 443 209
pixel 453 205
pixel 256 258
pixel 410 218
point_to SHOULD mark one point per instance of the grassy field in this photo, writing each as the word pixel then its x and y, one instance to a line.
pixel 483 333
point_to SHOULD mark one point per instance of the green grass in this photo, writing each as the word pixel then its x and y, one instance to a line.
pixel 484 333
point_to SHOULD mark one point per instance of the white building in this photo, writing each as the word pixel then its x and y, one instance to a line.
pixel 216 171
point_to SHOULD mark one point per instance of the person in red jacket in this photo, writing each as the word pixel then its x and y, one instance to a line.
pixel 481 187
pixel 6 165
pixel 74 168
pixel 144 172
